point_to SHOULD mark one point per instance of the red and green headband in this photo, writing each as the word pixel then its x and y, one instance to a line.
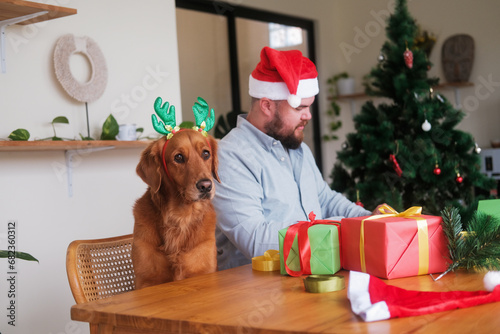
pixel 203 115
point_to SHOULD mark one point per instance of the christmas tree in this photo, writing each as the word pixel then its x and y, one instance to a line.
pixel 407 152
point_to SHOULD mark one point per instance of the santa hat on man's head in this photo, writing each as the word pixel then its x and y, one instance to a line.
pixel 284 75
pixel 374 300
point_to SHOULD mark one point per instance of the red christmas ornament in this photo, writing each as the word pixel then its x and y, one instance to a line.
pixel 395 164
pixel 459 179
pixel 408 56
pixel 437 170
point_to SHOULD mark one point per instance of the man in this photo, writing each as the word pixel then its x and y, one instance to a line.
pixel 269 178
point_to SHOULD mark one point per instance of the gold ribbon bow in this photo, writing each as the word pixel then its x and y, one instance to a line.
pixel 270 261
pixel 408 213
pixel 422 233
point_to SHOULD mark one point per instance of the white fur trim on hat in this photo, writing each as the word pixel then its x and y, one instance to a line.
pixel 279 90
pixel 491 280
pixel 359 295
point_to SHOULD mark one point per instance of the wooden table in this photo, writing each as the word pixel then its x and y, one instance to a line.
pixel 241 300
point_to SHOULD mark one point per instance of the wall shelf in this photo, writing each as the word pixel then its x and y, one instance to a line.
pixel 456 86
pixel 26 12
pixel 49 145
pixel 351 98
pixel 452 85
pixel 71 149
pixel 10 9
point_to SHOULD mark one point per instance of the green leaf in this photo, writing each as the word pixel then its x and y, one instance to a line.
pixel 110 128
pixel 19 255
pixel 19 135
pixel 342 75
pixel 85 138
pixel 60 119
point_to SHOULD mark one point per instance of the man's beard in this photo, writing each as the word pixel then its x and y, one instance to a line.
pixel 287 139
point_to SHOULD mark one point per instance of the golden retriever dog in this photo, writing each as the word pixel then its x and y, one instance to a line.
pixel 174 231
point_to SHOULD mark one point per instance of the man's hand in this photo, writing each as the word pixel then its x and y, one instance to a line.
pixel 377 209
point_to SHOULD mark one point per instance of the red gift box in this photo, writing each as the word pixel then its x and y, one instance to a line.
pixel 394 245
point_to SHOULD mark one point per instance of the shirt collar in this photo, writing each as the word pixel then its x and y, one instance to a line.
pixel 261 138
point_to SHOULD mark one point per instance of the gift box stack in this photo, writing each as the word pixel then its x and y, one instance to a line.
pixel 389 245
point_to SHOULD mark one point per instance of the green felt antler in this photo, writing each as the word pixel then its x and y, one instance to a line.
pixel 166 113
pixel 203 119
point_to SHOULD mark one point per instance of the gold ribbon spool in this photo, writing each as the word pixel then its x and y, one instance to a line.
pixel 270 261
pixel 324 283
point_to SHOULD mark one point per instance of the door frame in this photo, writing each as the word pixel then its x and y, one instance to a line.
pixel 231 12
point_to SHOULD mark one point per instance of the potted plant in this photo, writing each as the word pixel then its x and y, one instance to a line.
pixel 18 255
pixel 338 84
pixel 345 84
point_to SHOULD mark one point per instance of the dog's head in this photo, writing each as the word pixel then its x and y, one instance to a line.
pixel 191 163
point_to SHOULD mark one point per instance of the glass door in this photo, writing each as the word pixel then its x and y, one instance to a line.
pixel 219 46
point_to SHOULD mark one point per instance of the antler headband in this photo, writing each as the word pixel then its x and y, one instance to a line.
pixel 204 121
pixel 203 115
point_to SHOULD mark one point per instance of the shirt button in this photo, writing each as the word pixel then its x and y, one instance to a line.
pixel 275 143
pixel 282 158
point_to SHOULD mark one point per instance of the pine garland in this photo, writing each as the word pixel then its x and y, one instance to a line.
pixel 478 248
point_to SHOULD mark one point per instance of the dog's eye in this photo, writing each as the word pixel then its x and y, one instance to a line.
pixel 205 155
pixel 179 158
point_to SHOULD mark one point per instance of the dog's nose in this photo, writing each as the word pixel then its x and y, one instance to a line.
pixel 204 186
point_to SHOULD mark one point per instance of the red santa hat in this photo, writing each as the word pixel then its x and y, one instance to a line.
pixel 284 75
pixel 374 300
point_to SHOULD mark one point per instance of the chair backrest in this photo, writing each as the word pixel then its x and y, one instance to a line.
pixel 100 268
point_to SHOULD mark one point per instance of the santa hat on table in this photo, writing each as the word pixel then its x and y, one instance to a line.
pixel 374 300
pixel 283 75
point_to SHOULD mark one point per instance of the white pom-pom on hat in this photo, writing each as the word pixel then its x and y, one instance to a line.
pixel 294 101
pixel 491 280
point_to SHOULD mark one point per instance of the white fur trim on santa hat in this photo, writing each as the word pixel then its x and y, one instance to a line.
pixel 279 90
pixel 271 90
pixel 491 280
pixel 359 295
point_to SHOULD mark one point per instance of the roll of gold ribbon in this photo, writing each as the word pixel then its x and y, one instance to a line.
pixel 270 261
pixel 324 283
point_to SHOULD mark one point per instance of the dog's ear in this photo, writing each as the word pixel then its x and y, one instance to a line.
pixel 215 159
pixel 149 167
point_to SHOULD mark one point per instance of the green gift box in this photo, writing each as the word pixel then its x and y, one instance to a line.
pixel 316 241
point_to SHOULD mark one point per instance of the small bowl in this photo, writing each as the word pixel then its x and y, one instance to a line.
pixel 495 143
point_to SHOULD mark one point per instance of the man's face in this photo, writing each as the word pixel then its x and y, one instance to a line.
pixel 288 123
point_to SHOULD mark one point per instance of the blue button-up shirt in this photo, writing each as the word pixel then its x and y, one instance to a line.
pixel 265 188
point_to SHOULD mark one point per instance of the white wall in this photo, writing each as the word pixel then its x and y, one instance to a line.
pixel 203 61
pixel 139 43
pixel 138 39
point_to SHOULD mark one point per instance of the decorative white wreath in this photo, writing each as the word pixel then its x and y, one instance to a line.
pixel 68 45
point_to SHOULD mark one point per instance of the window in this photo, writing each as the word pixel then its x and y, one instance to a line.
pixel 281 36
